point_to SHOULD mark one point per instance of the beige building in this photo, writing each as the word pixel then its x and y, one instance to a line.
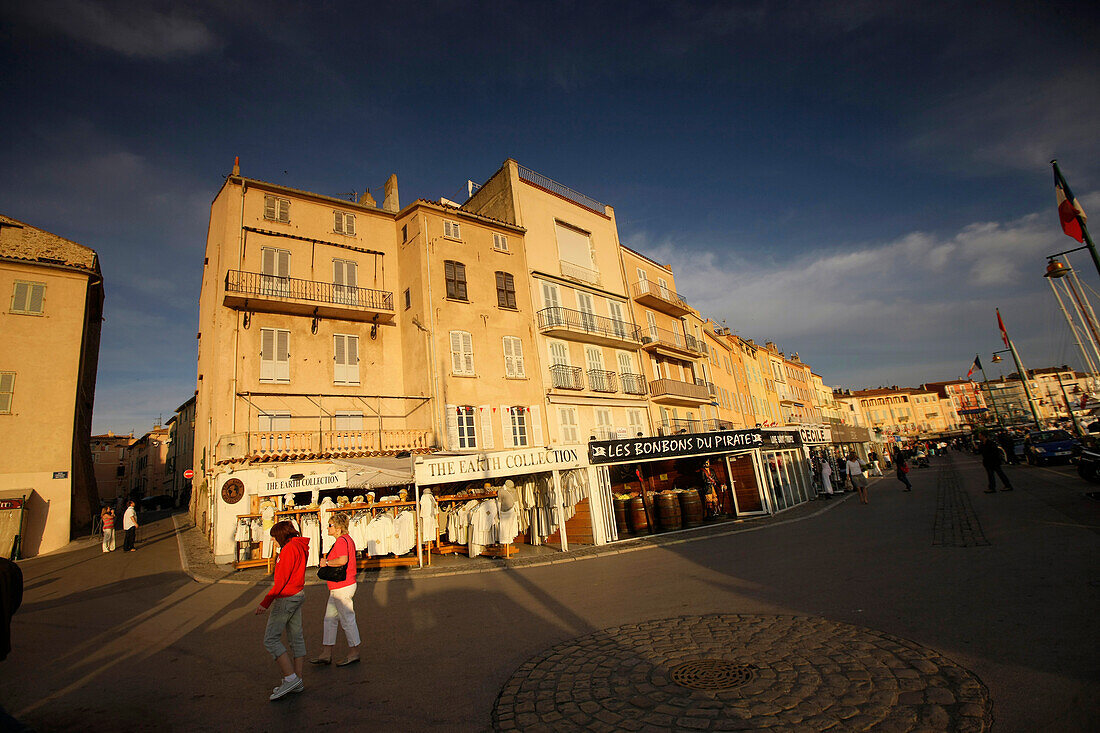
pixel 147 464
pixel 51 318
pixel 181 451
pixel 111 464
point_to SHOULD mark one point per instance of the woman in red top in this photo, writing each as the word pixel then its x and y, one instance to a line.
pixel 341 594
pixel 285 601
pixel 107 514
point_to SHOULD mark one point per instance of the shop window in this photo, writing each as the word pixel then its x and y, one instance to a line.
pixel 455 275
pixel 506 290
pixel 28 298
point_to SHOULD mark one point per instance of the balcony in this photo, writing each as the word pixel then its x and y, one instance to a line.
pixel 672 343
pixel 588 327
pixel 678 427
pixel 667 301
pixel 633 383
pixel 601 381
pixel 255 291
pixel 710 425
pixel 566 377
pixel 713 389
pixel 576 272
pixel 284 445
pixel 675 392
pixel 610 432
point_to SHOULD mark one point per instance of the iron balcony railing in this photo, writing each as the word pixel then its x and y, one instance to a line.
pixel 674 387
pixel 717 425
pixel 609 432
pixel 271 286
pixel 713 389
pixel 575 320
pixel 568 269
pixel 633 383
pixel 566 377
pixel 676 427
pixel 682 341
pixel 526 174
pixel 645 287
pixel 602 381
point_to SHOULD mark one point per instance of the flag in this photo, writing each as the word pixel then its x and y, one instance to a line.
pixel 1001 325
pixel 976 365
pixel 1070 212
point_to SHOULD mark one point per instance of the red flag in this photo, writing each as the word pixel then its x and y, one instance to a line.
pixel 1070 212
pixel 1001 325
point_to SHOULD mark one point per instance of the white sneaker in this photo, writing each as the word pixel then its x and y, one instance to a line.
pixel 286 687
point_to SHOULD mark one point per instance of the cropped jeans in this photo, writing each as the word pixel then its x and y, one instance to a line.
pixel 286 613
pixel 341 610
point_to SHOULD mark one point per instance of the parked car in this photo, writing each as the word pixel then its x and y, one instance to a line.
pixel 1044 446
pixel 1088 465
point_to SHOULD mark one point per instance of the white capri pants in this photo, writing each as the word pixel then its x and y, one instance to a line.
pixel 341 610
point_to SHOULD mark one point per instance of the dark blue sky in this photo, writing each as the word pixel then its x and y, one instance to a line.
pixel 860 182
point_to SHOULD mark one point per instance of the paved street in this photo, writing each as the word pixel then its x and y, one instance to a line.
pixel 986 604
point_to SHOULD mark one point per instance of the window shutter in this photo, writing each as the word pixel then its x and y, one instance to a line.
pixel 339 359
pixel 284 263
pixel 7 387
pixel 534 425
pixel 486 436
pixel 506 427
pixel 468 352
pixel 350 274
pixel 517 358
pixel 349 224
pixel 509 359
pixel 267 259
pixel 338 272
pixel 284 210
pixel 451 420
pixel 269 207
pixel 282 356
pixel 338 222
pixel 460 280
pixel 352 359
pixel 19 297
pixel 267 354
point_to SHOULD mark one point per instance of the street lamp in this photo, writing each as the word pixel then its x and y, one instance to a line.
pixel 1056 270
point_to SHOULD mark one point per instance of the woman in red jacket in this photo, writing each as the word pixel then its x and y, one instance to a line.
pixel 285 601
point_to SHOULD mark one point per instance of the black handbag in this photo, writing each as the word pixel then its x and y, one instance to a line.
pixel 334 573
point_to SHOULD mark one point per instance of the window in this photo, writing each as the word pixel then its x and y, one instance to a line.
pixel 451 230
pixel 343 223
pixel 500 242
pixel 567 419
pixel 664 287
pixel 518 423
pixel 345 359
pixel 455 275
pixel 574 245
pixel 506 290
pixel 344 279
pixel 274 355
pixel 275 265
pixel 347 420
pixel 618 321
pixel 27 298
pixel 276 209
pixel 462 353
pixel 274 422
pixel 408 299
pixel 588 310
pixel 404 233
pixel 467 436
pixel 7 391
pixel 513 358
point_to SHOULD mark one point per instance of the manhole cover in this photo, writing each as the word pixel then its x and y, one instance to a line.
pixel 711 674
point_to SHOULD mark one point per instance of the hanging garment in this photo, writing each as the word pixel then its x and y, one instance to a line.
pixel 428 524
pixel 404 533
pixel 379 535
pixel 327 540
pixel 311 529
pixel 508 526
pixel 244 531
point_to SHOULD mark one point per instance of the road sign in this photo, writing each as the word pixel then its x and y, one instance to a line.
pixel 189 473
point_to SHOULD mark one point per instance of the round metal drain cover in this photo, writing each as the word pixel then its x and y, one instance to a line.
pixel 711 674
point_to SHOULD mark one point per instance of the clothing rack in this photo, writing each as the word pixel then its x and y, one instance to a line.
pixel 387 561
pixel 445 547
pixel 251 547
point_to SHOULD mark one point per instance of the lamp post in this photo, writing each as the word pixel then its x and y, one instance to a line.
pixel 1056 270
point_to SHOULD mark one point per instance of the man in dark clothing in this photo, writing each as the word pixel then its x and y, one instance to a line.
pixel 991 460
pixel 1010 448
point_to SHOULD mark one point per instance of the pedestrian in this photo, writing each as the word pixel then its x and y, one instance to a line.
pixel 11 596
pixel 991 460
pixel 854 468
pixel 107 519
pixel 285 601
pixel 341 594
pixel 130 525
pixel 902 466
pixel 827 477
pixel 1009 445
pixel 873 458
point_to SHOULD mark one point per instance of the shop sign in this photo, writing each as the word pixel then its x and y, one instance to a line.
pixel 493 465
pixel 782 439
pixel 620 451
pixel 10 504
pixel 61 474
pixel 815 434
pixel 338 480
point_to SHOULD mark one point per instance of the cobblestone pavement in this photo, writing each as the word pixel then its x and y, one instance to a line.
pixel 956 524
pixel 741 672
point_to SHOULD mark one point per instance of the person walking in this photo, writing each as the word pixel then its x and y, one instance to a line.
pixel 827 477
pixel 107 519
pixel 854 468
pixel 285 601
pixel 991 460
pixel 873 458
pixel 902 467
pixel 130 525
pixel 341 594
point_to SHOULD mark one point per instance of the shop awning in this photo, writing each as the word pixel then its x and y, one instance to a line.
pixel 371 473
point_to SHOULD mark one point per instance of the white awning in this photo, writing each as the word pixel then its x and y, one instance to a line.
pixel 377 472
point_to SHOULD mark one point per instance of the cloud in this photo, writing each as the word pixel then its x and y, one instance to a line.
pixel 156 30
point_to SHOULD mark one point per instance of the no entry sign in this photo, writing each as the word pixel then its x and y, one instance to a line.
pixel 189 473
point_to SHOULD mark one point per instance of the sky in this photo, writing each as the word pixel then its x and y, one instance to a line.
pixel 861 182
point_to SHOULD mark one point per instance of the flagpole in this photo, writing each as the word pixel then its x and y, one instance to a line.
pixel 992 401
pixel 1080 220
pixel 1020 371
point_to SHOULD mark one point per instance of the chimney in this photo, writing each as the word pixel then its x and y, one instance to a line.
pixel 236 165
pixel 391 203
pixel 367 200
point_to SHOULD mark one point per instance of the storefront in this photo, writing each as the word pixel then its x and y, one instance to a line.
pixel 668 483
pixel 816 440
pixel 787 472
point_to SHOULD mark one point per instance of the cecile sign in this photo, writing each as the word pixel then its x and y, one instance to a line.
pixel 617 451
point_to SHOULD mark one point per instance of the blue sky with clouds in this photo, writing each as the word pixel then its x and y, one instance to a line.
pixel 860 182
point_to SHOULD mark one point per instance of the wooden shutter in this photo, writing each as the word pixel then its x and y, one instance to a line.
pixel 506 426
pixel 269 207
pixel 7 388
pixel 517 357
pixel 456 352
pixel 268 264
pixel 284 263
pixel 486 437
pixel 509 359
pixel 284 210
pixel 349 224
pixel 460 281
pixel 352 359
pixel 626 363
pixel 339 360
pixel 350 278
pixel 534 426
pixel 267 355
pixel 282 356
pixel 468 352
pixel 559 353
pixel 450 417
pixel 338 222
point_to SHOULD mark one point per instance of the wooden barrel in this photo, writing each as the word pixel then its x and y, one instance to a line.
pixel 668 510
pixel 622 513
pixel 638 521
pixel 691 508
